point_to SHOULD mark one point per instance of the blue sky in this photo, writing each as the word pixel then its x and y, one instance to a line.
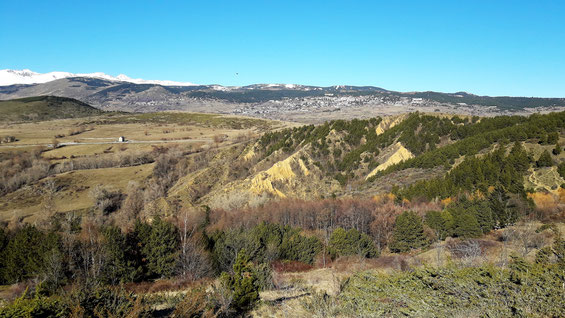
pixel 484 47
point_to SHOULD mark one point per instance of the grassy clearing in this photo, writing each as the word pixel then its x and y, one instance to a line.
pixel 97 137
pixel 181 118
pixel 74 193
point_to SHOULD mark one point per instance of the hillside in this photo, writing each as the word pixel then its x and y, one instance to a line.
pixel 288 102
pixel 434 153
pixel 361 158
pixel 381 216
pixel 44 108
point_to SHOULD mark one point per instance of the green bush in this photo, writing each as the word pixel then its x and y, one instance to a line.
pixel 264 243
pixel 351 242
pixel 105 301
pixel 38 306
pixel 456 292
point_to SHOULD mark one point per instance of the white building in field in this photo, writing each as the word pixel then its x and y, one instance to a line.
pixel 122 139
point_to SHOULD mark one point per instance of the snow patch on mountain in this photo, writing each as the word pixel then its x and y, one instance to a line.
pixel 12 77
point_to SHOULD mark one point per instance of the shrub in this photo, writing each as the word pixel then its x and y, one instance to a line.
pixel 38 306
pixel 456 292
pixel 351 242
pixel 99 302
pixel 105 200
pixel 194 304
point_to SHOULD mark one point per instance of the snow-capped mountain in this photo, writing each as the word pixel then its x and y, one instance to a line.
pixel 11 77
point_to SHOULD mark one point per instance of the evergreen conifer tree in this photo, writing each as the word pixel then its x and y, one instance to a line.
pixel 408 232
pixel 161 248
pixel 119 267
pixel 242 283
pixel 557 149
pixel 545 160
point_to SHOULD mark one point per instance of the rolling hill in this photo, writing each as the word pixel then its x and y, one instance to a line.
pixel 44 108
pixel 289 102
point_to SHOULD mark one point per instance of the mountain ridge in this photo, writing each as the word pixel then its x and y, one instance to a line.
pixel 26 76
pixel 286 102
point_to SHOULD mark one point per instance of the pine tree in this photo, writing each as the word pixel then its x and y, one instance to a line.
pixel 3 242
pixel 440 222
pixel 162 248
pixel 481 218
pixel 466 225
pixel 503 211
pixel 242 283
pixel 138 240
pixel 561 169
pixel 518 157
pixel 557 149
pixel 23 256
pixel 545 160
pixel 119 266
pixel 408 232
pixel 552 138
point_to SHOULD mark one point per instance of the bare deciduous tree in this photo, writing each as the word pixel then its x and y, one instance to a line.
pixel 468 251
pixel 91 250
pixel 193 259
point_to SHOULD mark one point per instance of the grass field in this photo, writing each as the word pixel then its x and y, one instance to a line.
pixel 75 190
pixel 98 137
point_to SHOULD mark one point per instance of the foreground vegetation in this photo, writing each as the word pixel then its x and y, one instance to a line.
pixel 522 290
pixel 67 262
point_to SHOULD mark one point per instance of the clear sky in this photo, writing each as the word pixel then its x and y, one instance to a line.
pixel 489 47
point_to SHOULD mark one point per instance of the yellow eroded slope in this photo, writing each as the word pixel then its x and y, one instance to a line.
pixel 400 154
pixel 388 123
pixel 281 171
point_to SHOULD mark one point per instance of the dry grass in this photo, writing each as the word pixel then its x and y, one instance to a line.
pixel 98 136
pixel 74 192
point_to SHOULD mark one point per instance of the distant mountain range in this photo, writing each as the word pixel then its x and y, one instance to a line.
pixel 11 77
pixel 274 101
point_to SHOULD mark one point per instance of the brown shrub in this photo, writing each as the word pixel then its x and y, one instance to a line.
pixel 290 266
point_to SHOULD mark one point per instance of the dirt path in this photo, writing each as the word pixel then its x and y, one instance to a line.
pixel 72 143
